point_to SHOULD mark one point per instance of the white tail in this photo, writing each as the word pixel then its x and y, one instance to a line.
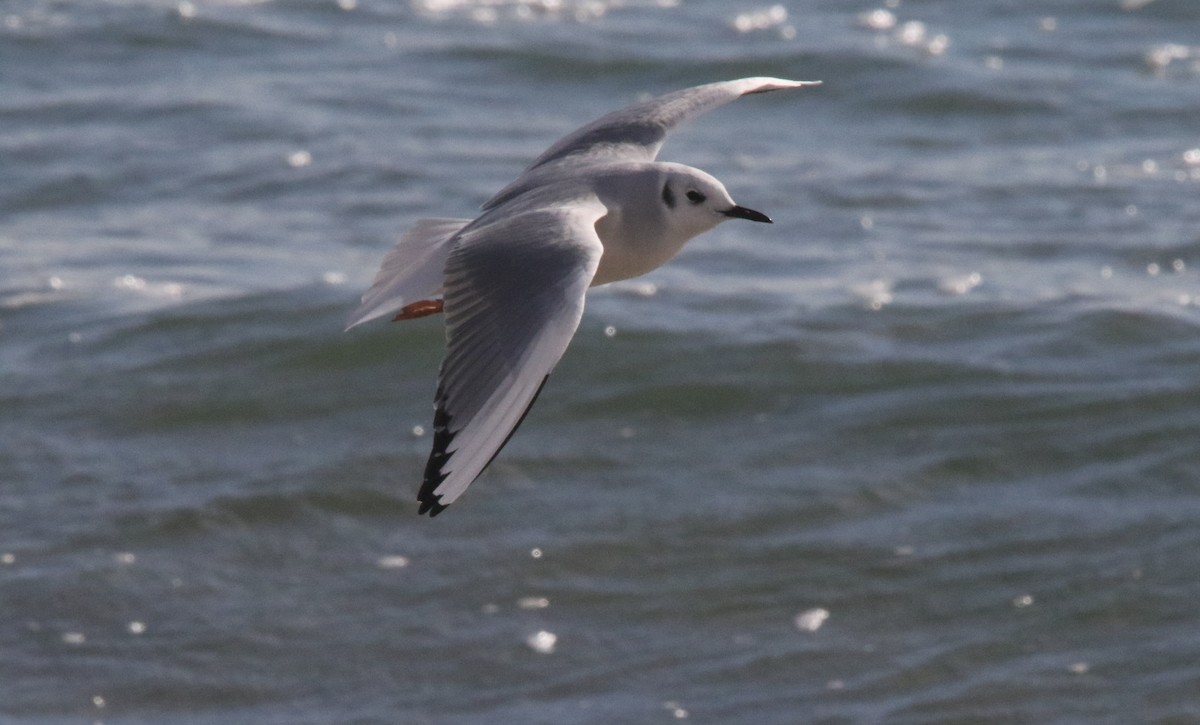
pixel 411 271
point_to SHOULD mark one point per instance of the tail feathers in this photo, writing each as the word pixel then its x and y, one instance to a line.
pixel 411 271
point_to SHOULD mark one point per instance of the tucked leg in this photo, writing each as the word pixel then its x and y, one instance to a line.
pixel 417 309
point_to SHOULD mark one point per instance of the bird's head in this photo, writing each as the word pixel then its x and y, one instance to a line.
pixel 693 202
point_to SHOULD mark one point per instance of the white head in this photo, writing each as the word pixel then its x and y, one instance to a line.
pixel 654 210
pixel 694 202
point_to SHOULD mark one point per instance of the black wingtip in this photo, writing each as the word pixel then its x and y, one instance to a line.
pixel 439 456
pixel 430 502
pixel 431 506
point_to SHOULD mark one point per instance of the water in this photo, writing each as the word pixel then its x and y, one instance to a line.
pixel 922 451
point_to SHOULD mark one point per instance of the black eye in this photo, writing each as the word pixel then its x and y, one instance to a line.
pixel 695 197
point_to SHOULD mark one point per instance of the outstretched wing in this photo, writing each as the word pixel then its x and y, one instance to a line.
pixel 514 292
pixel 637 132
pixel 411 271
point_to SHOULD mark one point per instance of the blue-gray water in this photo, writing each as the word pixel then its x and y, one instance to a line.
pixel 924 451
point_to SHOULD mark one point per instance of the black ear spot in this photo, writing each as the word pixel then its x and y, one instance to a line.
pixel 695 197
pixel 668 196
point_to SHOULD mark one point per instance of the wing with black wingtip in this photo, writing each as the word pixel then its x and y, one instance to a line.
pixel 514 295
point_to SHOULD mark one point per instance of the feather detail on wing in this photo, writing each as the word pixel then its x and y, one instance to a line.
pixel 411 271
pixel 514 295
pixel 637 132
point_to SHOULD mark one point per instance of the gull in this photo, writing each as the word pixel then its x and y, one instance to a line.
pixel 596 207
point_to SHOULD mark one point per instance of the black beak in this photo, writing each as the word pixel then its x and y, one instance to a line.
pixel 741 212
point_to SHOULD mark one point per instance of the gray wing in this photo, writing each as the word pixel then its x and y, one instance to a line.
pixel 637 132
pixel 514 293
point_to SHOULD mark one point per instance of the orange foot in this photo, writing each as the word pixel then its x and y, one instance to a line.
pixel 419 309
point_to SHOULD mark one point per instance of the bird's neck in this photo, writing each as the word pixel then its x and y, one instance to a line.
pixel 633 250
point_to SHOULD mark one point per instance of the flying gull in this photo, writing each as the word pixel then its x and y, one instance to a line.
pixel 593 208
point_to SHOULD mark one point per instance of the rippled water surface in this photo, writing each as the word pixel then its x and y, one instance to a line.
pixel 923 451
